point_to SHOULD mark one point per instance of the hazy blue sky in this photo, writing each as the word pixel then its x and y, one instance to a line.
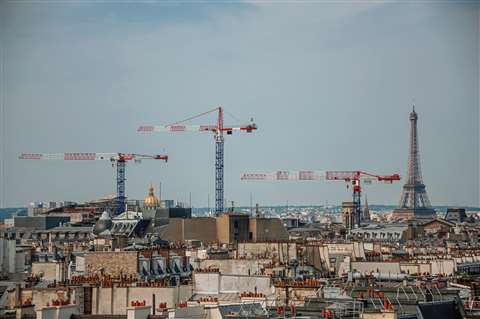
pixel 330 85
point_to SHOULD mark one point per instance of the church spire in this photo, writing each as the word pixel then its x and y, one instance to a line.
pixel 366 210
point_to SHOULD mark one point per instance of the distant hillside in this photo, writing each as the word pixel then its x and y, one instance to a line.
pixel 8 212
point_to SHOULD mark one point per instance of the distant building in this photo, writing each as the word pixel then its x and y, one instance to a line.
pixel 183 229
pixel 291 222
pixel 39 222
pixel 79 215
pixel 348 215
pixel 438 226
pixel 385 232
pixel 154 210
pixel 266 229
pixel 168 203
pixel 225 229
pixel 35 208
pixel 456 215
pixel 366 211
pixel 151 201
pixel 232 228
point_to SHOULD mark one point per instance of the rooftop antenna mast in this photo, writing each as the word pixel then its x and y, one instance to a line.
pixel 251 204
pixel 160 191
pixel 208 203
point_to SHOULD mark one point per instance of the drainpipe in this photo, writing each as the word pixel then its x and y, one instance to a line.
pixel 18 295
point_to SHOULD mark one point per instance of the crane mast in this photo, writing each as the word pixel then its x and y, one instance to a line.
pixel 219 167
pixel 121 199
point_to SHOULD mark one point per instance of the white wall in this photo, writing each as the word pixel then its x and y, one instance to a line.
pixel 206 283
pixel 123 296
pixel 443 266
pixel 138 312
pixel 50 270
pixel 80 264
pixel 215 283
pixel 383 267
pixel 237 284
pixel 11 252
pixel 61 312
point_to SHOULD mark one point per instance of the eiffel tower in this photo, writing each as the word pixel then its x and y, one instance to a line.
pixel 414 202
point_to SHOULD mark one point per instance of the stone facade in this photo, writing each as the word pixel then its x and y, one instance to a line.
pixel 116 301
pixel 198 228
pixel 225 229
pixel 232 228
pixel 348 216
pixel 264 229
pixel 112 263
pixel 49 270
pixel 437 226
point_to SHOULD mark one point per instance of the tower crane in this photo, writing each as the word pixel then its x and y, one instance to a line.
pixel 217 129
pixel 352 178
pixel 117 159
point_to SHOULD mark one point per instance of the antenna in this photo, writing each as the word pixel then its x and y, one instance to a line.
pixel 251 203
pixel 208 203
pixel 160 191
pixel 3 142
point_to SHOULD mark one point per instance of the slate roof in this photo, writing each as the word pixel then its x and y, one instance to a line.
pixel 436 310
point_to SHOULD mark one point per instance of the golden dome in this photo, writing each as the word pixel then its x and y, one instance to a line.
pixel 151 200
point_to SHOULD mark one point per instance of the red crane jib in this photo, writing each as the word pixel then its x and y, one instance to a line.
pixel 357 175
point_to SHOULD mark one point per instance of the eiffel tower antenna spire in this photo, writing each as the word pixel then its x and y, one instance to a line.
pixel 414 202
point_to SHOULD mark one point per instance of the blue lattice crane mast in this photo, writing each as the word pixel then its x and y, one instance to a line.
pixel 117 159
pixel 218 130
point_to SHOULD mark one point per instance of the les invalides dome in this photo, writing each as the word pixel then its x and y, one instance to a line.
pixel 151 200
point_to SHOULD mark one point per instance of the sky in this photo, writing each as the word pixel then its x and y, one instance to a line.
pixel 329 84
